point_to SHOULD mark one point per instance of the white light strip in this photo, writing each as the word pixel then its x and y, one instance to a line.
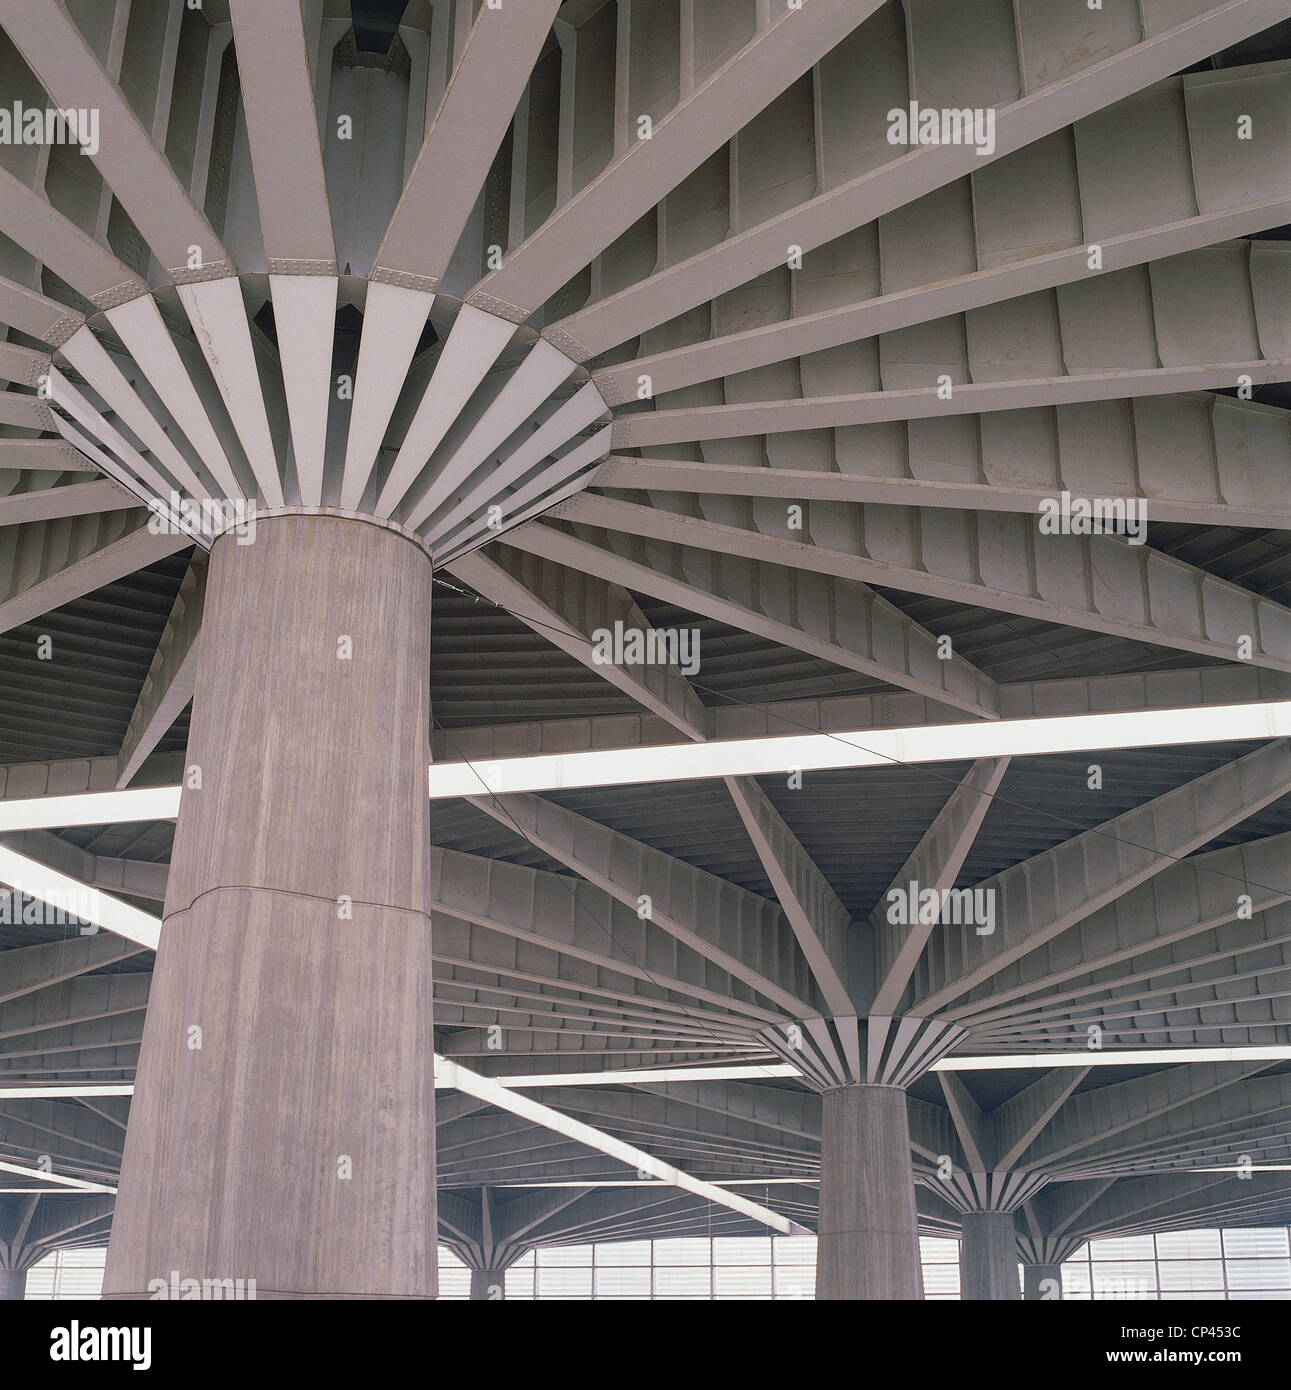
pixel 646 1075
pixel 1006 1062
pixel 73 1091
pixel 38 880
pixel 1130 1057
pixel 938 743
pixel 763 1182
pixel 459 1078
pixel 77 1184
pixel 591 1182
pixel 652 1182
pixel 1254 1168
pixel 742 757
pixel 90 808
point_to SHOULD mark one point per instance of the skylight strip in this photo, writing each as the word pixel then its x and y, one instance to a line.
pixel 56 1179
pixel 74 1091
pixel 781 754
pixel 90 808
pixel 638 1075
pixel 1143 1056
pixel 743 757
pixel 70 896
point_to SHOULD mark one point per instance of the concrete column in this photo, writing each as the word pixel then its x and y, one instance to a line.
pixel 868 1245
pixel 13 1284
pixel 988 1259
pixel 489 1283
pixel 1041 1282
pixel 282 1128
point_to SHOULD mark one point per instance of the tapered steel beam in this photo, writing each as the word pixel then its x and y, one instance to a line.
pixel 45 564
pixel 28 969
pixel 1208 460
pixel 1039 899
pixel 35 314
pixel 488 79
pixel 1058 211
pixel 566 607
pixel 697 908
pixel 1094 1125
pixel 633 182
pixel 1205 956
pixel 131 164
pixel 819 921
pixel 911 174
pixel 850 626
pixel 76 499
pixel 282 131
pixel 42 231
pixel 1096 582
pixel 933 864
pixel 171 679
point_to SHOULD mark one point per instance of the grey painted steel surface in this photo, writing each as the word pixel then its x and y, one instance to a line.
pixel 868 1237
pixel 296 938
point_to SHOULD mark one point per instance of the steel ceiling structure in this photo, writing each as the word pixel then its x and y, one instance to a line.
pixel 466 333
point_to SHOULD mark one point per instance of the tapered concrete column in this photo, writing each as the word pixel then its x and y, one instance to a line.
pixel 489 1283
pixel 13 1284
pixel 1041 1282
pixel 868 1245
pixel 282 1127
pixel 988 1259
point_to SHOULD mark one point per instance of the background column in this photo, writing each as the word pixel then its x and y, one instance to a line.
pixel 489 1284
pixel 988 1257
pixel 988 1248
pixel 1042 1282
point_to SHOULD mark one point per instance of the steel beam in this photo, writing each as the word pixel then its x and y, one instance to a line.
pixel 171 679
pixel 1039 899
pixel 1095 582
pixel 840 622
